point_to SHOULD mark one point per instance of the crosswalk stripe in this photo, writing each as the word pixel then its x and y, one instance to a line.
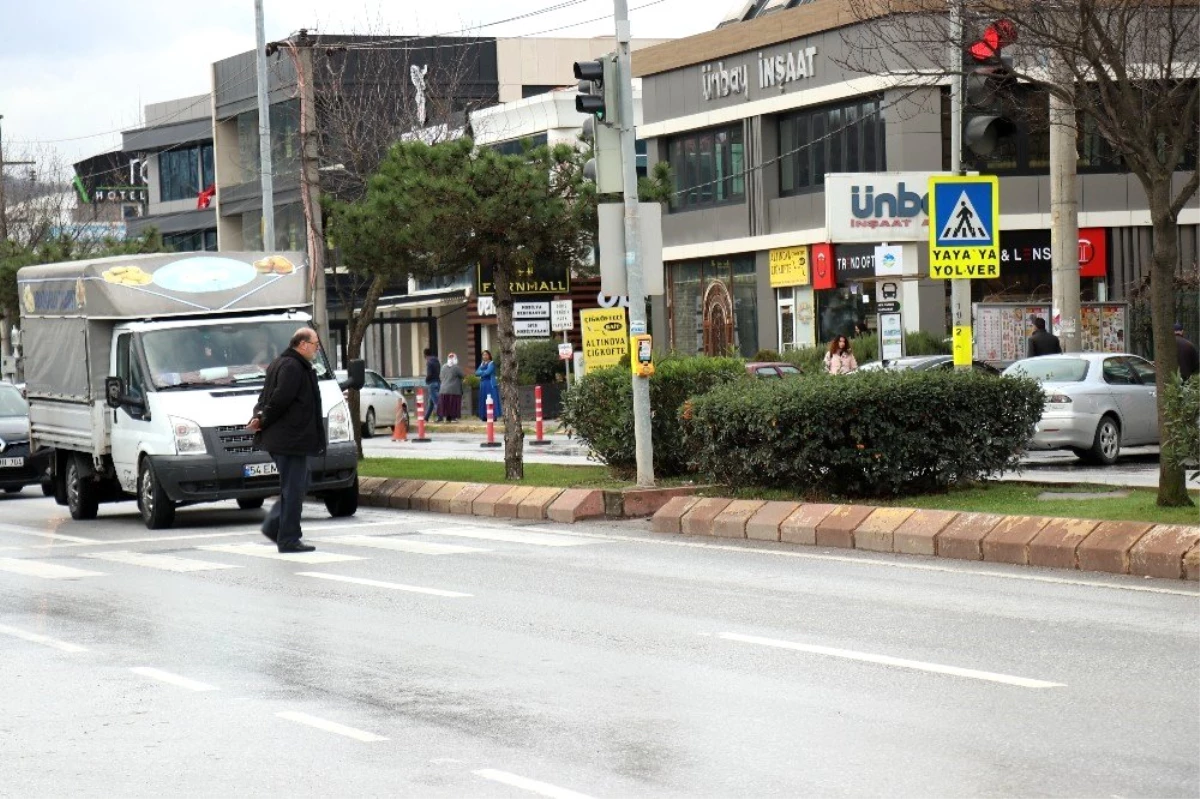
pixel 47 571
pixel 38 638
pixel 269 551
pixel 402 545
pixel 415 589
pixel 513 536
pixel 169 563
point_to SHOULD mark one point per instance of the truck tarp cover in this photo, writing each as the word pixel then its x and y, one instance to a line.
pixel 64 307
pixel 174 284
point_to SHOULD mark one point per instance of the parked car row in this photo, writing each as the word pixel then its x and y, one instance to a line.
pixel 18 466
pixel 376 402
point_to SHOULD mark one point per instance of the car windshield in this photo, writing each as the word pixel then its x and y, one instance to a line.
pixel 12 403
pixel 1051 370
pixel 218 355
pixel 789 370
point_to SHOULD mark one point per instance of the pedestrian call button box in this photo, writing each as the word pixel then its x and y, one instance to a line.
pixel 643 359
pixel 964 216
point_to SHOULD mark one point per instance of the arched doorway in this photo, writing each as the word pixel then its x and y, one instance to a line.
pixel 718 319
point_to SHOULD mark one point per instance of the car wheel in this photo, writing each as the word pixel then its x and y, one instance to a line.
pixel 158 511
pixel 1107 443
pixel 343 502
pixel 369 425
pixel 82 498
pixel 250 503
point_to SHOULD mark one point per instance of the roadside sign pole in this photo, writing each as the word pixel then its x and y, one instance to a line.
pixel 960 288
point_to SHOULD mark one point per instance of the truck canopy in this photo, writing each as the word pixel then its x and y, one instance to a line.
pixel 68 310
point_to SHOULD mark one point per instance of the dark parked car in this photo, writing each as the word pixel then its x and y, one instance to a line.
pixel 19 467
pixel 921 363
pixel 772 369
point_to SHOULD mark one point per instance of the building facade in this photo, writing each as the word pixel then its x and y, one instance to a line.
pixel 790 170
pixel 176 158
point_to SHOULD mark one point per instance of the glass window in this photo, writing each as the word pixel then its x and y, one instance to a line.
pixel 179 173
pixel 11 402
pixel 217 354
pixel 843 138
pixel 708 168
pixel 1144 370
pixel 1051 370
pixel 745 306
pixel 208 175
pixel 1118 373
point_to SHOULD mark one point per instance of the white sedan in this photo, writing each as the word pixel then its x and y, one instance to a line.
pixel 1096 402
pixel 376 403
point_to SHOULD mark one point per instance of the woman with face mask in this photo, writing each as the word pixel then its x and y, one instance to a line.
pixel 449 406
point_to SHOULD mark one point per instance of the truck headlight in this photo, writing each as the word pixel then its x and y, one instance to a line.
pixel 339 423
pixel 189 440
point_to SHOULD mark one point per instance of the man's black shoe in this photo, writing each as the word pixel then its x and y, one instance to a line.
pixel 296 547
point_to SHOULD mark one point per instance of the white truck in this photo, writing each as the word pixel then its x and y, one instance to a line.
pixel 142 373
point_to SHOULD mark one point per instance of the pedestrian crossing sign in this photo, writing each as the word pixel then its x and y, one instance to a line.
pixel 964 213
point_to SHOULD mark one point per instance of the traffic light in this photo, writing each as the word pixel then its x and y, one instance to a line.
pixel 599 98
pixel 987 89
pixel 604 167
pixel 598 89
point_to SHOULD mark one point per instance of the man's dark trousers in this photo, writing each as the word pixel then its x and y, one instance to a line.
pixel 284 518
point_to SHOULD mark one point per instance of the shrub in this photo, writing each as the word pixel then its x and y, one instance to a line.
pixel 537 362
pixel 868 434
pixel 1181 441
pixel 766 355
pixel 599 409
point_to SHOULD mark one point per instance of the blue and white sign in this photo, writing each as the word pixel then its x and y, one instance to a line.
pixel 963 234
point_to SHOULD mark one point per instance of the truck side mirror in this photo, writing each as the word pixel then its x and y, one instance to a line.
pixel 116 395
pixel 356 375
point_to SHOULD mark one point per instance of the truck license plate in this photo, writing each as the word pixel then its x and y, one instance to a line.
pixel 9 463
pixel 260 469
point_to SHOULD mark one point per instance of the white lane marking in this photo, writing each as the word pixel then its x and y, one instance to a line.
pixel 887 660
pixel 173 679
pixel 46 534
pixel 169 563
pixel 512 536
pixel 41 639
pixel 330 726
pixel 402 545
pixel 867 560
pixel 526 784
pixel 269 551
pixel 416 589
pixel 156 539
pixel 47 571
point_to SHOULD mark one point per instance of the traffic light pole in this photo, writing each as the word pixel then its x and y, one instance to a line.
pixel 1064 214
pixel 960 288
pixel 633 251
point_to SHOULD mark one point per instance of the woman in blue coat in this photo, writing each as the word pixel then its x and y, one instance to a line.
pixel 488 387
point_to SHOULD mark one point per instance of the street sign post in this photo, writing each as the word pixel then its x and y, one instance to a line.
pixel 561 316
pixel 964 213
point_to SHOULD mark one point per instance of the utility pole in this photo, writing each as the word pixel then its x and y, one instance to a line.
pixel 264 133
pixel 310 176
pixel 643 446
pixel 960 288
pixel 1064 211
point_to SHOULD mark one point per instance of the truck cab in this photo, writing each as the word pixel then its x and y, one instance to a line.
pixel 143 373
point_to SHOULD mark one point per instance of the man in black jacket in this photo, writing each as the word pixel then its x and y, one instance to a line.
pixel 1042 342
pixel 289 415
pixel 1189 359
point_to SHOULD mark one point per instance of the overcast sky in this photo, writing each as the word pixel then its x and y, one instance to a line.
pixel 70 69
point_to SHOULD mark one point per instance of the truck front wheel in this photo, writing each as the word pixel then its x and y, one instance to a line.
pixel 158 511
pixel 82 494
pixel 342 502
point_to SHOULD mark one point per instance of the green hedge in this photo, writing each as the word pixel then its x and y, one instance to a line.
pixel 538 362
pixel 867 434
pixel 1181 444
pixel 599 409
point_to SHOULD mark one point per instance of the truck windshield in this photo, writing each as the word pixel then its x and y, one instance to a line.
pixel 218 355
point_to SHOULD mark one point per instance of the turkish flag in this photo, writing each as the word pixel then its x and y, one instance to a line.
pixel 1093 252
pixel 823 271
pixel 205 197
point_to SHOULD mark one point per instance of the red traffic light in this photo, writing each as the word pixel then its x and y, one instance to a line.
pixel 998 35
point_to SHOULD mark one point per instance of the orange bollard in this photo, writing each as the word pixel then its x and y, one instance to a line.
pixel 421 439
pixel 540 441
pixel 491 425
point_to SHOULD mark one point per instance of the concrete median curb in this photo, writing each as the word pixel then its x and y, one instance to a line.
pixel 1148 550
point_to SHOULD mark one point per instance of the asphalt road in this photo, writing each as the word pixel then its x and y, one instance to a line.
pixel 421 655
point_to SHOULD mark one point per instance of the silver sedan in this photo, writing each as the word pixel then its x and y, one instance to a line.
pixel 1095 402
